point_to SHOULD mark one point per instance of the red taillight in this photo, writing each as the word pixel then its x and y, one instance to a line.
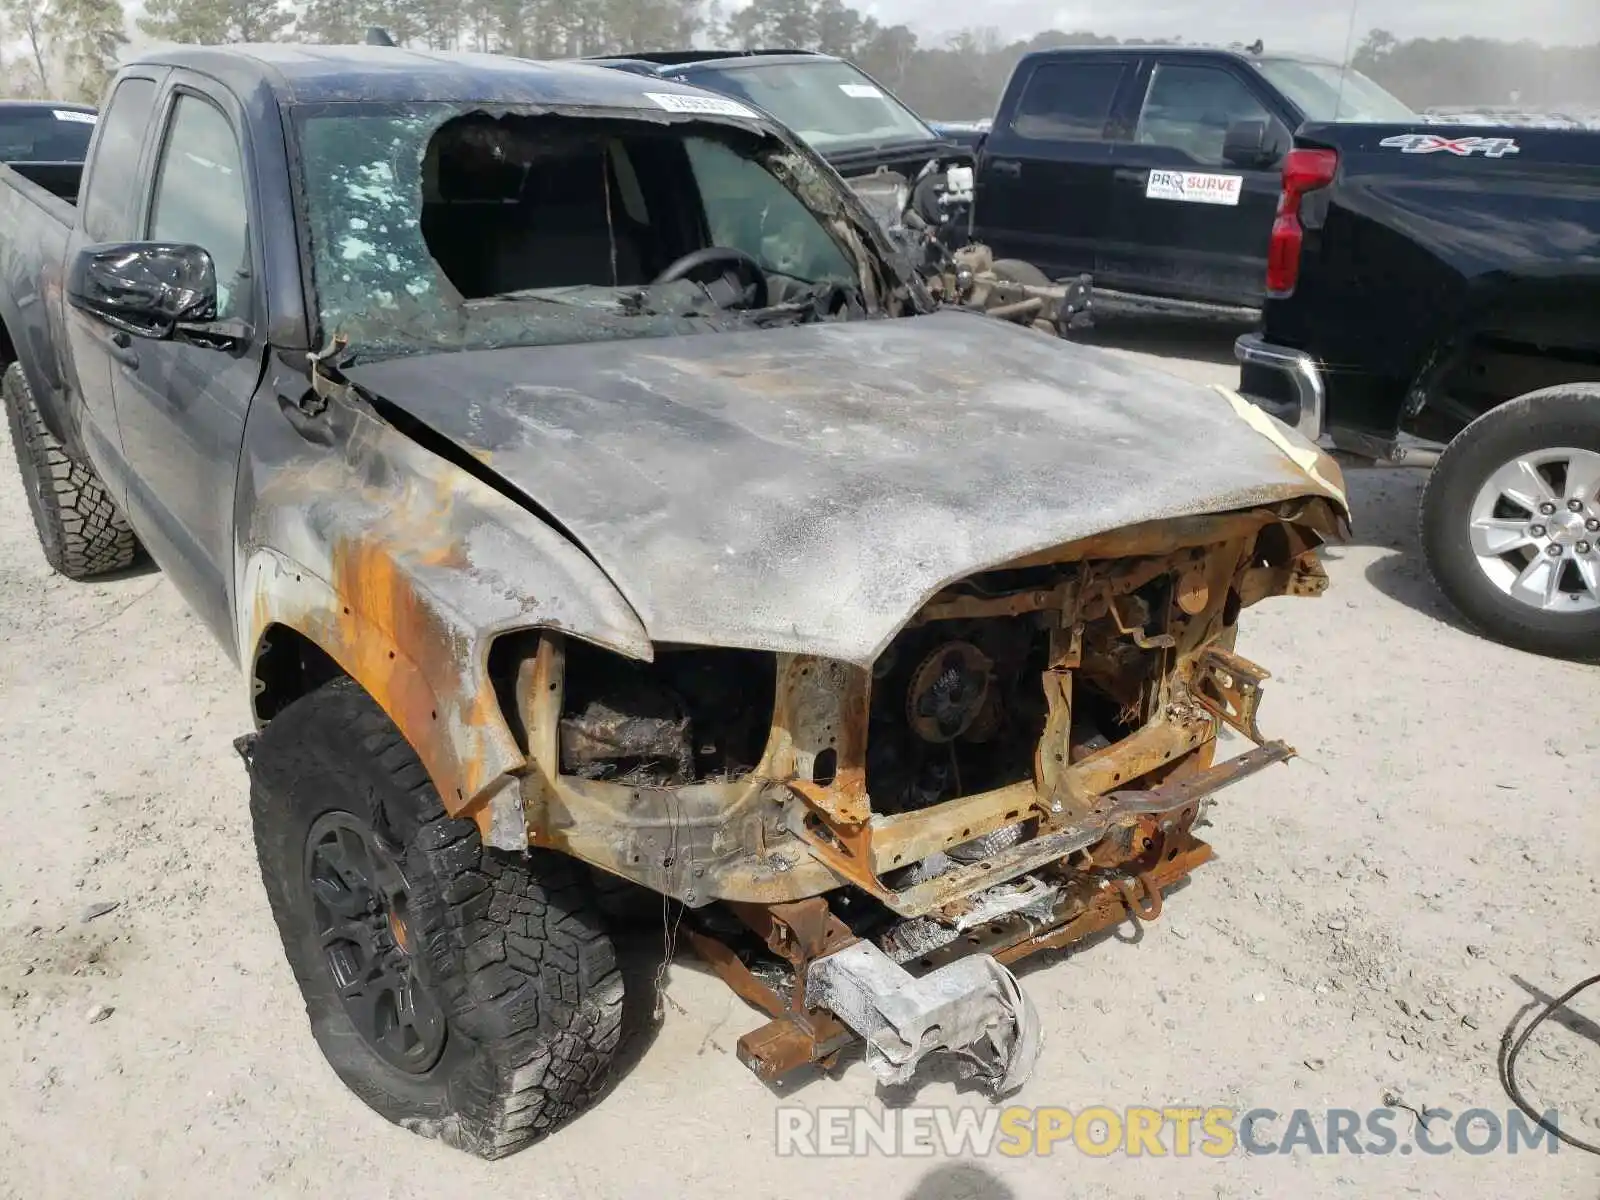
pixel 1303 171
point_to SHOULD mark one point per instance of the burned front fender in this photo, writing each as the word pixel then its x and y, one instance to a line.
pixel 403 567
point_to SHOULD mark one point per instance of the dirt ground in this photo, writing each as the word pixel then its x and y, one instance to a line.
pixel 1381 909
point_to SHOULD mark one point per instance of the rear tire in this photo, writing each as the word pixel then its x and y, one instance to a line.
pixel 1546 447
pixel 464 993
pixel 80 530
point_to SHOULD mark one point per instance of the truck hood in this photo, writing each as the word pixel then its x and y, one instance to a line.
pixel 807 489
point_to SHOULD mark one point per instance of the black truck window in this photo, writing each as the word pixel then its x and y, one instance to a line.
pixel 199 196
pixel 1189 108
pixel 44 134
pixel 108 204
pixel 1068 101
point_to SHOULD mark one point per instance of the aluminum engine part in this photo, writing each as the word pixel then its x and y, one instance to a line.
pixel 973 1008
pixel 1029 897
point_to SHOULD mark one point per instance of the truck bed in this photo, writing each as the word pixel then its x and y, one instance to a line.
pixel 36 222
pixel 29 191
pixel 60 179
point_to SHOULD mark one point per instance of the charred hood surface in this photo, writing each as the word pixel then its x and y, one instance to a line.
pixel 807 489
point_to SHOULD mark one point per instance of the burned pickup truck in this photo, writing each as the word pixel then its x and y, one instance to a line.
pixel 585 494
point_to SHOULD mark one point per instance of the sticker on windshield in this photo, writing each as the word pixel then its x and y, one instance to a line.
pixel 1194 187
pixel 66 114
pixel 704 106
pixel 861 91
pixel 1461 147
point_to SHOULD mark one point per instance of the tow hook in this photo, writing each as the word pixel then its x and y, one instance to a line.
pixel 973 1008
pixel 1147 907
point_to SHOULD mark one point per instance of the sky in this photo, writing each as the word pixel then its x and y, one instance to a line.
pixel 1317 26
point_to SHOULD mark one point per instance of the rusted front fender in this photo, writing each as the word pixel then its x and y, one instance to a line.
pixel 404 567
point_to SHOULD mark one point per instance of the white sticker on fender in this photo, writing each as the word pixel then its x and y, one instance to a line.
pixel 1195 187
pixel 705 106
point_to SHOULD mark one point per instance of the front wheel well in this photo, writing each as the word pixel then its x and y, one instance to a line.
pixel 288 665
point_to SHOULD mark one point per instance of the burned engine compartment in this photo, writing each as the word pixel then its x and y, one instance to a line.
pixel 693 715
pixel 956 704
pixel 1022 765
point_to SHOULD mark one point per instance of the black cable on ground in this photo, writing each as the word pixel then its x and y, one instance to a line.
pixel 1509 1050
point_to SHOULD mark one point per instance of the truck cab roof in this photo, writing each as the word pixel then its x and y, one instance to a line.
pixel 296 74
pixel 1210 53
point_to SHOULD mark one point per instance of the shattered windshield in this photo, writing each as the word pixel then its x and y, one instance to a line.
pixel 828 104
pixel 439 226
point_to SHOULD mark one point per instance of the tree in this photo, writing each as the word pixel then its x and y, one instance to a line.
pixel 25 21
pixel 331 22
pixel 887 55
pixel 88 35
pixel 841 30
pixel 211 22
pixel 774 25
pixel 1374 48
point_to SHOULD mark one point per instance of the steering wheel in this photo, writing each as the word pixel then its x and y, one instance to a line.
pixel 742 277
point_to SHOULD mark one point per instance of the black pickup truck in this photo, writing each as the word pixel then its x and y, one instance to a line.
pixel 1437 288
pixel 593 501
pixel 1156 169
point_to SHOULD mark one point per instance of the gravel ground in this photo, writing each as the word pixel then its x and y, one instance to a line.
pixel 1381 909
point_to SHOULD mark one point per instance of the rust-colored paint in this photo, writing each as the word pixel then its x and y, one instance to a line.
pixel 442 692
pixel 371 622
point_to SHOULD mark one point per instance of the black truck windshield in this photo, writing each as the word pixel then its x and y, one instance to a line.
pixel 441 226
pixel 827 103
pixel 1326 92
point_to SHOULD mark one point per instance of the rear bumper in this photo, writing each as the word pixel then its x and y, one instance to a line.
pixel 1304 378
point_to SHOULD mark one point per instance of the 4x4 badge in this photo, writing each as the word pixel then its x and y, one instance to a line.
pixel 1463 147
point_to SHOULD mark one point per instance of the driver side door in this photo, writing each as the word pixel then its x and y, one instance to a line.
pixel 1186 222
pixel 181 406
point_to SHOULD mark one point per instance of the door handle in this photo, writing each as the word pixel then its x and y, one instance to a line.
pixel 1010 168
pixel 122 350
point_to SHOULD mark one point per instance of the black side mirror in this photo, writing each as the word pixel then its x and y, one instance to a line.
pixel 144 288
pixel 1250 144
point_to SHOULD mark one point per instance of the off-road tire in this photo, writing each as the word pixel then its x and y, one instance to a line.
pixel 627 905
pixel 507 946
pixel 1552 417
pixel 80 530
pixel 1014 270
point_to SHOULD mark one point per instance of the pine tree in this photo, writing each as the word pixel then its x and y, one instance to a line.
pixel 331 22
pixel 87 35
pixel 24 21
pixel 209 22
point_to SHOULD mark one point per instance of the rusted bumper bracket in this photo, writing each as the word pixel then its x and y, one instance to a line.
pixel 1108 812
pixel 809 1029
